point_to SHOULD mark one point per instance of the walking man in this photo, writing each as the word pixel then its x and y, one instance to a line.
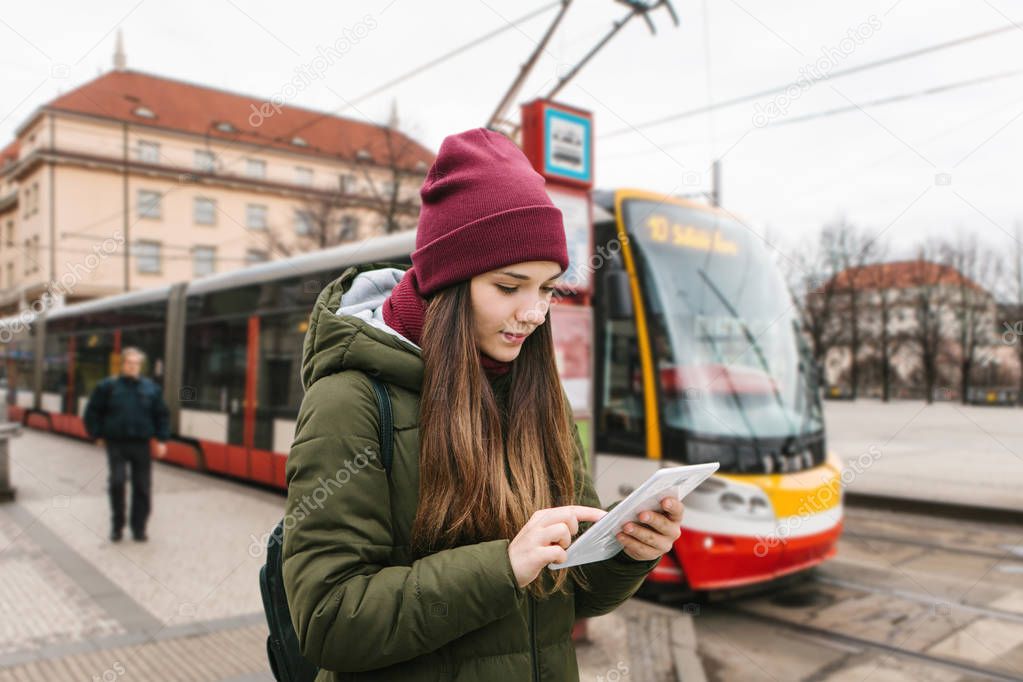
pixel 126 411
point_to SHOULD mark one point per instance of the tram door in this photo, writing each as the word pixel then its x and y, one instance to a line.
pixel 213 391
pixel 276 356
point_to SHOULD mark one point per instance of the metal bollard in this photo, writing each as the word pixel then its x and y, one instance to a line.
pixel 7 431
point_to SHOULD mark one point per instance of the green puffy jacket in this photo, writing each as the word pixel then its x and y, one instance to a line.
pixel 362 608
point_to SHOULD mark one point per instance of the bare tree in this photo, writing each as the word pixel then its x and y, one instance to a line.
pixel 970 301
pixel 853 250
pixel 929 304
pixel 885 342
pixel 811 278
pixel 1012 332
pixel 379 183
pixel 387 187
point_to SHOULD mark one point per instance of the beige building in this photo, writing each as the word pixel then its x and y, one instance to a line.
pixel 133 180
pixel 898 287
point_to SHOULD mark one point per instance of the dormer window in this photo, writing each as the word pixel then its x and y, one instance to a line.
pixel 226 127
pixel 144 112
pixel 299 141
pixel 363 155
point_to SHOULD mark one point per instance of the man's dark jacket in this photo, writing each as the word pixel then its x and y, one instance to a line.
pixel 123 408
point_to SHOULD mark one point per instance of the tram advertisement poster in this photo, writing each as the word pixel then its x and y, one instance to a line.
pixel 571 326
pixel 575 211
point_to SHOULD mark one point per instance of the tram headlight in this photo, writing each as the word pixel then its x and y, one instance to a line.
pixel 731 501
pixel 718 495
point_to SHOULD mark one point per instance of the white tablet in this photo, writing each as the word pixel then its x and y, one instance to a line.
pixel 598 542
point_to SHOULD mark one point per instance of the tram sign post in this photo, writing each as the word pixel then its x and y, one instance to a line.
pixel 558 141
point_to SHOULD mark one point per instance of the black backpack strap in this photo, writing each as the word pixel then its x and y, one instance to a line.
pixel 286 660
pixel 386 424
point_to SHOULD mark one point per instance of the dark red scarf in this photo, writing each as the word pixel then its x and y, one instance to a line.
pixel 405 312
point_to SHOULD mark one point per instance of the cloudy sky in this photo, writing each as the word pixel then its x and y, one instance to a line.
pixel 919 147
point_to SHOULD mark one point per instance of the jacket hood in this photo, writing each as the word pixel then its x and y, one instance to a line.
pixel 347 330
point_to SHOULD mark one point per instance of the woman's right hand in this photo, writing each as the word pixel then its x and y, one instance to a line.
pixel 545 537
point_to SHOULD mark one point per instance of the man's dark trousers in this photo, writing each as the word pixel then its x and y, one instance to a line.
pixel 120 455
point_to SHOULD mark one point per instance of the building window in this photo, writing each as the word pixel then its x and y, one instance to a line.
pixel 205 211
pixel 147 152
pixel 10 275
pixel 204 261
pixel 304 176
pixel 31 255
pixel 147 256
pixel 205 162
pixel 253 256
pixel 148 204
pixel 255 217
pixel 255 168
pixel 349 228
pixel 303 223
pixel 35 197
pixel 346 182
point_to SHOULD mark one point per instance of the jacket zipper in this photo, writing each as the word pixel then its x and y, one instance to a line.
pixel 532 638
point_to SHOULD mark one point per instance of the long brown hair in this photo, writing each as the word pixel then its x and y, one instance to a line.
pixel 469 490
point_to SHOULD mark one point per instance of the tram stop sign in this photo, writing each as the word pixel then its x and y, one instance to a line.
pixel 558 141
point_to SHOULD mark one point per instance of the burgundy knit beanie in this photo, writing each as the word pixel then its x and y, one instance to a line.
pixel 483 206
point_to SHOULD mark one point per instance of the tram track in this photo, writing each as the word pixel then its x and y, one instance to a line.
pixel 1011 551
pixel 918 597
pixel 805 606
pixel 847 640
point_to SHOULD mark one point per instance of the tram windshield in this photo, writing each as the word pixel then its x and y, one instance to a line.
pixel 723 328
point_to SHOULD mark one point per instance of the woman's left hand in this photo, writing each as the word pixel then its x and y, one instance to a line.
pixel 656 534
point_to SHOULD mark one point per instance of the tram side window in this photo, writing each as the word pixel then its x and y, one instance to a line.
pixel 279 377
pixel 93 353
pixel 621 421
pixel 20 367
pixel 280 359
pixel 214 376
pixel 55 372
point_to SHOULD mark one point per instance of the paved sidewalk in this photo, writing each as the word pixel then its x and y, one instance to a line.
pixel 944 452
pixel 76 606
pixel 185 606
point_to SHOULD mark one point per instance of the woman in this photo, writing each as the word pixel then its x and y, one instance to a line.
pixel 437 570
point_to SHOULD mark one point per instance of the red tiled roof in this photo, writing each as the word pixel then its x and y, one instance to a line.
pixel 9 154
pixel 197 109
pixel 901 275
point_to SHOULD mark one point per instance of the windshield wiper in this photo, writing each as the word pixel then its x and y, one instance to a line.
pixel 752 342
